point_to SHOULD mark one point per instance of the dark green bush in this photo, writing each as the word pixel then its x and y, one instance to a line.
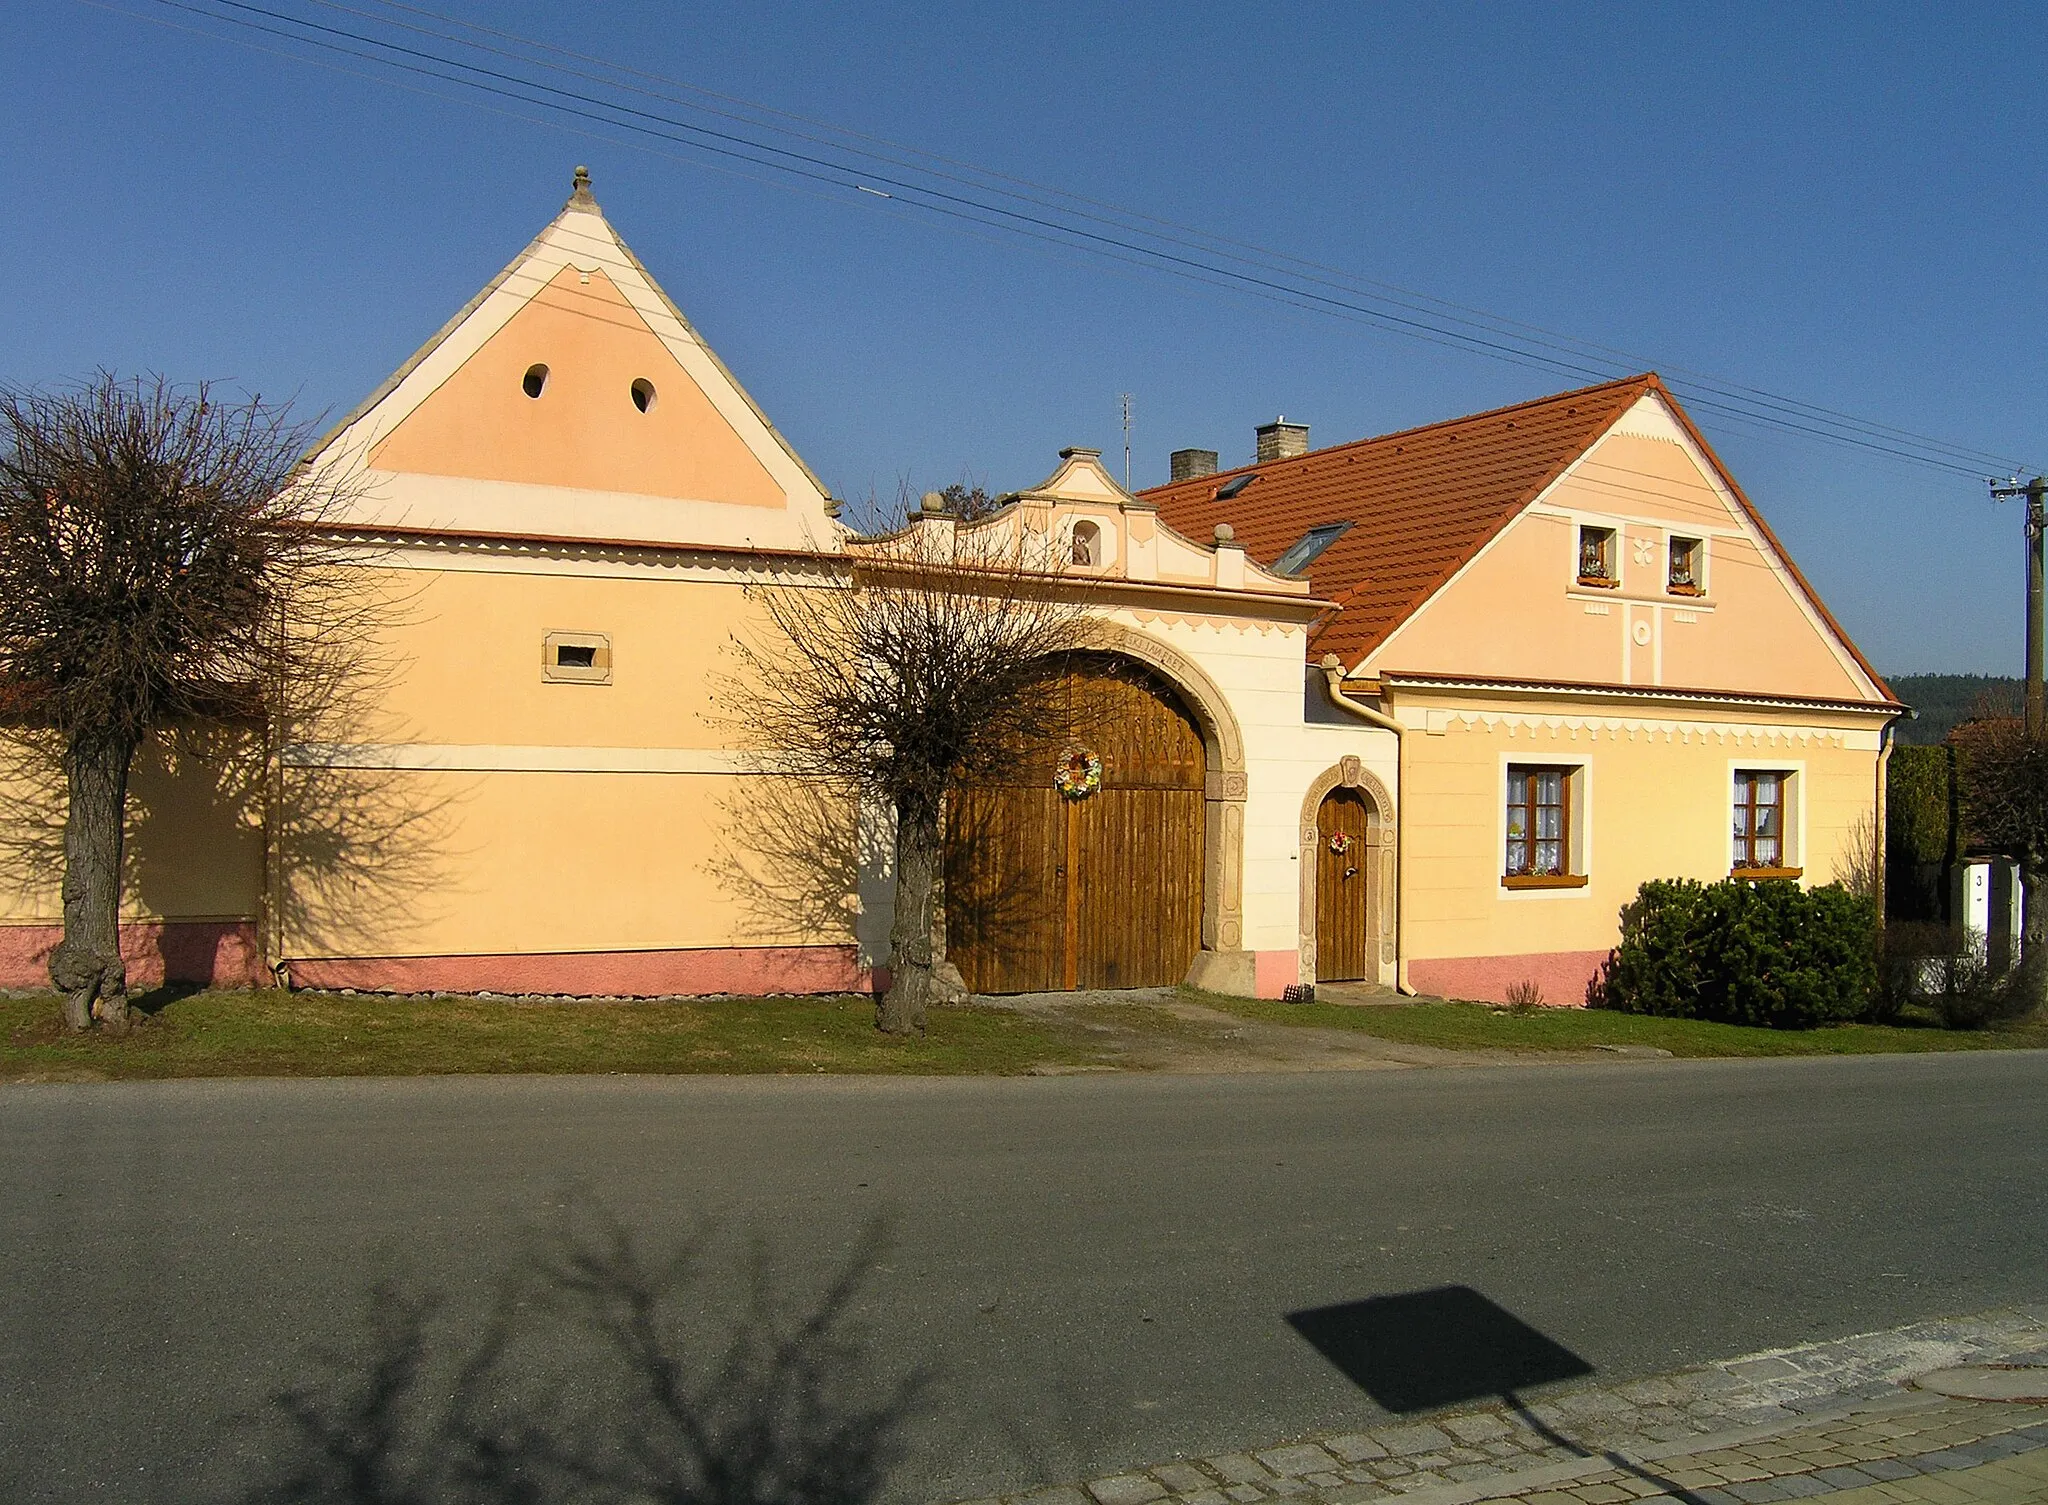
pixel 1923 833
pixel 1920 806
pixel 1951 975
pixel 1742 952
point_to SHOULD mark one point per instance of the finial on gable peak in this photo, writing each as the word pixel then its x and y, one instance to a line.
pixel 582 198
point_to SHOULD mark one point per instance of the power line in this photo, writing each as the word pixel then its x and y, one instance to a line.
pixel 1190 254
pixel 1712 383
pixel 1122 213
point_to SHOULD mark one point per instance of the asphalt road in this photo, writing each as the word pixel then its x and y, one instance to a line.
pixel 1092 1272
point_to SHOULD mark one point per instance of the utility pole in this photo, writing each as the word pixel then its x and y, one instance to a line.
pixel 2036 493
pixel 1125 399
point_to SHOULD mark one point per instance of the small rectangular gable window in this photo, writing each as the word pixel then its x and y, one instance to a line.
pixel 1687 557
pixel 1308 548
pixel 576 658
pixel 1596 557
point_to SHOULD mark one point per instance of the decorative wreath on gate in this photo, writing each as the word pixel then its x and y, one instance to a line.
pixel 1340 842
pixel 1079 774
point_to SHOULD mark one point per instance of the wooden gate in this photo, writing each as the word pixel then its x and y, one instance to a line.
pixel 1044 892
pixel 1344 909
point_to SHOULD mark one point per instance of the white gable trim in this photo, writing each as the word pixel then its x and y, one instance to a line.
pixel 584 240
pixel 1649 417
pixel 1652 418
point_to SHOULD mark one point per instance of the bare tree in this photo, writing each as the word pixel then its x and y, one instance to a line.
pixel 966 499
pixel 930 660
pixel 2002 778
pixel 969 501
pixel 162 565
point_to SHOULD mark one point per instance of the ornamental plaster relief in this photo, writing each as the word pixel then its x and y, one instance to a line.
pixel 1265 627
pixel 1646 730
pixel 518 556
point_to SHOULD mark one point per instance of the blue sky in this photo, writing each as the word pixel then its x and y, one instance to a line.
pixel 1829 202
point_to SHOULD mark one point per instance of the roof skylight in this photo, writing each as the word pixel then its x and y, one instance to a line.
pixel 1305 550
pixel 1234 485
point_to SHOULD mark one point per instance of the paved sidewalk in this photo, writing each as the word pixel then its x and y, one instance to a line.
pixel 1826 1421
pixel 1914 1448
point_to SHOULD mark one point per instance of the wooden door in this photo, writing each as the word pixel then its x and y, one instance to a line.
pixel 1046 892
pixel 1344 908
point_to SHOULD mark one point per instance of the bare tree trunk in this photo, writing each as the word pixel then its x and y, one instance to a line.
pixel 87 966
pixel 911 984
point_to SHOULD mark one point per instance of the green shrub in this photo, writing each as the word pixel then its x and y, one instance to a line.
pixel 1920 806
pixel 1950 974
pixel 1741 952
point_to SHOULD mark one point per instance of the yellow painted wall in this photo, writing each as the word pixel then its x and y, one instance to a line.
pixel 583 431
pixel 194 839
pixel 1517 613
pixel 462 659
pixel 502 821
pixel 512 862
pixel 1655 798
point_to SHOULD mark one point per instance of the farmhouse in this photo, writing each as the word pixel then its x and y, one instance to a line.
pixel 1421 710
pixel 1601 665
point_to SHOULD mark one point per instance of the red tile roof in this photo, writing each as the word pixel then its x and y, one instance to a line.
pixel 1423 502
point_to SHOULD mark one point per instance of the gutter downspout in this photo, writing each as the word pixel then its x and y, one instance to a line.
pixel 1886 740
pixel 1333 677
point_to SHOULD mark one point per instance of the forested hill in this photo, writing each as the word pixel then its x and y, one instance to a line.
pixel 1944 699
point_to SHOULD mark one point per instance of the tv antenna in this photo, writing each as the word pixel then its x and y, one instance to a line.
pixel 1125 399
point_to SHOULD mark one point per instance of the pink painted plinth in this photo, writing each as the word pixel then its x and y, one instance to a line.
pixel 220 953
pixel 1562 975
pixel 747 970
pixel 1274 972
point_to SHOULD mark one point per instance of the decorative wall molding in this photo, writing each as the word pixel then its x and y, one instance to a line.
pixel 506 758
pixel 1264 626
pixel 729 564
pixel 1645 729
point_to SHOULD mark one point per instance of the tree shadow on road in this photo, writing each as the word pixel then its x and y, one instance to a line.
pixel 587 1378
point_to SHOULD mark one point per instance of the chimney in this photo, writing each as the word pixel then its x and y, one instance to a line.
pixel 1281 440
pixel 1188 463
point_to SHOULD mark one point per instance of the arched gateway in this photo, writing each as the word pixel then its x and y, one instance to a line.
pixel 1080 864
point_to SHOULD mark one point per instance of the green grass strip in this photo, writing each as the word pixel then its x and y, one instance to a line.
pixel 1475 1026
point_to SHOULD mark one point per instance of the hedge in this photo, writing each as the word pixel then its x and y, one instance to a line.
pixel 1920 806
pixel 1743 952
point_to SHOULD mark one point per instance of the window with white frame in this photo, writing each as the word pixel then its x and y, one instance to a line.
pixel 1687 575
pixel 1543 827
pixel 1596 557
pixel 1762 826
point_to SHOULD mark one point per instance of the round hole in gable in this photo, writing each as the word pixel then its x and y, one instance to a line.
pixel 643 394
pixel 535 381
